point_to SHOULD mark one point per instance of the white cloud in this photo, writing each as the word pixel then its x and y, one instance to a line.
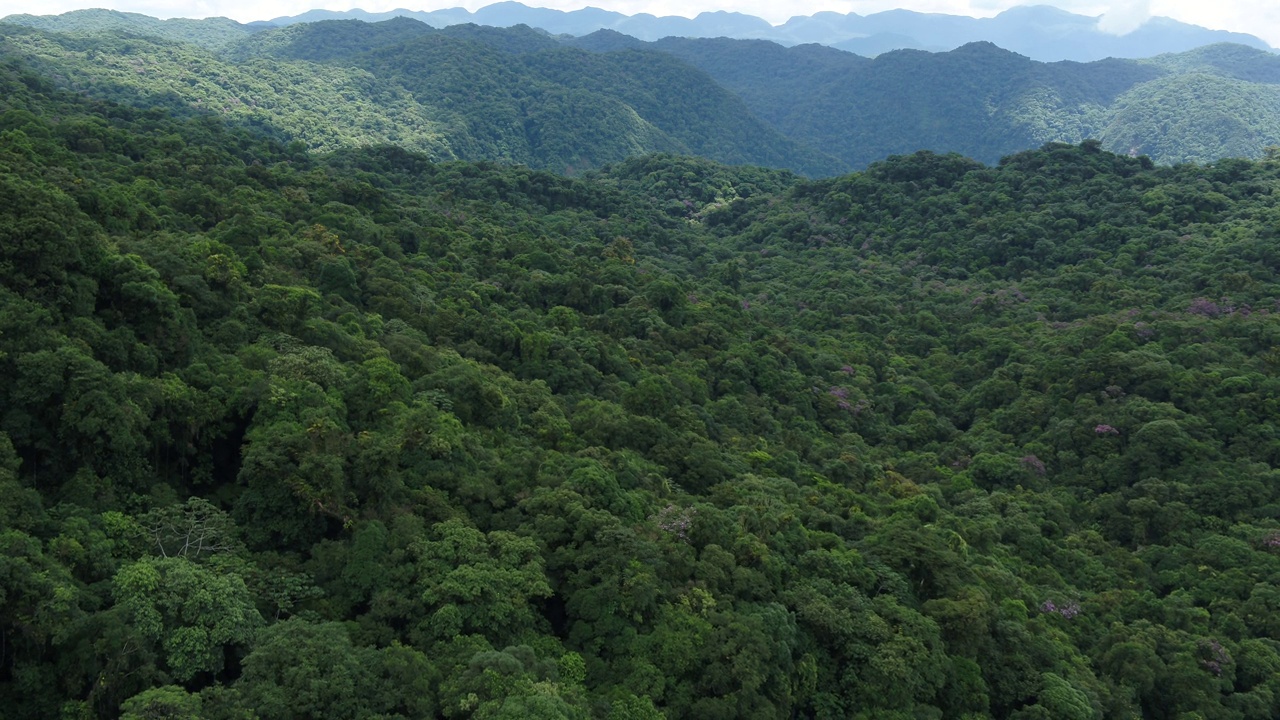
pixel 1125 16
pixel 1260 18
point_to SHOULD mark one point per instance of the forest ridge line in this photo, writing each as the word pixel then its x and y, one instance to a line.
pixel 574 103
pixel 1038 31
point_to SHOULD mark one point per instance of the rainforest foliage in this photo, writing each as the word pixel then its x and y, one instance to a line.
pixel 364 435
pixel 987 102
pixel 467 92
pixel 571 105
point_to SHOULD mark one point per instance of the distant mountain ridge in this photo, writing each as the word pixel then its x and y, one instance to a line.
pixel 571 104
pixel 1040 32
pixel 466 92
pixel 986 102
pixel 207 32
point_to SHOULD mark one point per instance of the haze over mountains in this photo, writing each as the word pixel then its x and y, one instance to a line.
pixel 1040 32
pixel 986 102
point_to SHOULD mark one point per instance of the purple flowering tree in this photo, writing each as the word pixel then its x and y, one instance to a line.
pixel 1068 610
pixel 675 521
pixel 1204 308
pixel 1034 464
pixel 1213 657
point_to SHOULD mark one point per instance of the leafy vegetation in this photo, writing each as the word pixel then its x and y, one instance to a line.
pixel 210 33
pixel 365 435
pixel 985 102
pixel 324 106
pixel 1196 117
pixel 466 93
pixel 519 95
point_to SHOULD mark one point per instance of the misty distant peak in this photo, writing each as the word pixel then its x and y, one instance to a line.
pixel 1041 32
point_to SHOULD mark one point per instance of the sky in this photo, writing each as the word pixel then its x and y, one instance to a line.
pixel 1259 17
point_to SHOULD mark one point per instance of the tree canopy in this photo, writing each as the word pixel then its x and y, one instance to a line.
pixel 367 435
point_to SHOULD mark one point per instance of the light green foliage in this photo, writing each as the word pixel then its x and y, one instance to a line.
pixel 195 530
pixel 1064 701
pixel 519 96
pixel 209 32
pixel 329 107
pixel 511 684
pixel 445 94
pixel 169 702
pixel 1196 117
pixel 190 612
pixel 484 581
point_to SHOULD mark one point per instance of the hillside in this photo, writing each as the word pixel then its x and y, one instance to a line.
pixel 986 102
pixel 464 93
pixel 1038 31
pixel 518 95
pixel 360 434
pixel 211 33
pixel 324 106
pixel 1196 117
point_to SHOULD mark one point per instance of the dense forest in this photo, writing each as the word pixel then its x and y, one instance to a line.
pixel 575 104
pixel 366 435
pixel 986 102
pixel 466 93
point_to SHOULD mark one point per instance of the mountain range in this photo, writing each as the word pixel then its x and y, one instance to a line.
pixel 986 102
pixel 572 104
pixel 1040 32
pixel 465 92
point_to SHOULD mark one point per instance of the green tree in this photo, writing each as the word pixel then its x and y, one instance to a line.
pixel 192 614
pixel 299 669
pixel 483 583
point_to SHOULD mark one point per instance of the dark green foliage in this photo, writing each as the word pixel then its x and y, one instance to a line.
pixel 363 435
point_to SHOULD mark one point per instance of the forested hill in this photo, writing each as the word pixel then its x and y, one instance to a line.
pixel 462 93
pixel 1039 31
pixel 359 435
pixel 207 32
pixel 986 102
pixel 566 104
